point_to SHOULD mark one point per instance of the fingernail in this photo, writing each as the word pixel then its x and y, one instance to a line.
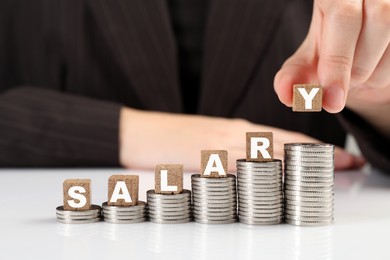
pixel 334 99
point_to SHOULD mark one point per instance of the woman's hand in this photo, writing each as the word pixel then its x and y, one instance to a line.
pixel 151 138
pixel 347 51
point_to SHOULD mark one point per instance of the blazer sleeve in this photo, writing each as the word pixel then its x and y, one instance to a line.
pixel 40 127
pixel 373 145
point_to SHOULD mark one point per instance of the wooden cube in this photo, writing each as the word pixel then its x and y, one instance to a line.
pixel 259 146
pixel 168 179
pixel 307 98
pixel 214 163
pixel 77 194
pixel 123 190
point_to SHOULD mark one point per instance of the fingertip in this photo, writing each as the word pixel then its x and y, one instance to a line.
pixel 283 88
pixel 333 99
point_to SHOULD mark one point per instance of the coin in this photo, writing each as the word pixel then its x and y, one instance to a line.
pixel 78 221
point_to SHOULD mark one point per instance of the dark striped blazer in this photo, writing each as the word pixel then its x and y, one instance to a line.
pixel 67 67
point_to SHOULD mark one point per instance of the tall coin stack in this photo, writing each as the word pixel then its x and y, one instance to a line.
pixel 214 199
pixel 260 192
pixel 124 214
pixel 169 208
pixel 308 183
pixel 78 217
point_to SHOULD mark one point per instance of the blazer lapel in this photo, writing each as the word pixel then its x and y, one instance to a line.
pixel 142 42
pixel 236 38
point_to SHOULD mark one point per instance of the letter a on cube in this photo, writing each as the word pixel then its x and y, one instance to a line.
pixel 123 190
pixel 77 194
pixel 169 179
pixel 307 98
pixel 259 146
pixel 214 163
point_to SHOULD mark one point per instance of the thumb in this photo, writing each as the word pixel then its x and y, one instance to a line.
pixel 299 68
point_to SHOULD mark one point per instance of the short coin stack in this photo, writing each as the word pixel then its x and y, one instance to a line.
pixel 124 214
pixel 214 199
pixel 309 180
pixel 169 208
pixel 78 217
pixel 260 192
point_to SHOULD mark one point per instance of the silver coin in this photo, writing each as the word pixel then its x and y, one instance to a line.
pixel 256 222
pixel 261 194
pixel 215 191
pixel 309 199
pixel 124 216
pixel 92 211
pixel 215 205
pixel 121 217
pixel 78 221
pixel 172 207
pixel 78 217
pixel 171 221
pixel 183 194
pixel 262 208
pixel 310 174
pixel 197 178
pixel 164 212
pixel 257 214
pixel 197 191
pixel 256 179
pixel 261 198
pixel 254 205
pixel 167 207
pixel 304 169
pixel 219 187
pixel 309 179
pixel 259 182
pixel 260 185
pixel 271 219
pixel 309 157
pixel 214 210
pixel 309 146
pixel 124 221
pixel 215 215
pixel 172 216
pixel 207 221
pixel 308 219
pixel 309 161
pixel 299 154
pixel 123 213
pixel 309 204
pixel 309 193
pixel 258 175
pixel 141 205
pixel 266 190
pixel 309 189
pixel 309 214
pixel 308 184
pixel 260 213
pixel 309 224
pixel 258 170
pixel 214 200
pixel 308 209
pixel 259 201
pixel 254 163
pixel 208 197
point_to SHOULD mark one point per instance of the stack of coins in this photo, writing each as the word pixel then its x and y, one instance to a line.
pixel 214 199
pixel 260 192
pixel 308 183
pixel 169 208
pixel 78 217
pixel 124 214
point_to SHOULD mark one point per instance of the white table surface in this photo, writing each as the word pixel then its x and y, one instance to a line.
pixel 28 228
